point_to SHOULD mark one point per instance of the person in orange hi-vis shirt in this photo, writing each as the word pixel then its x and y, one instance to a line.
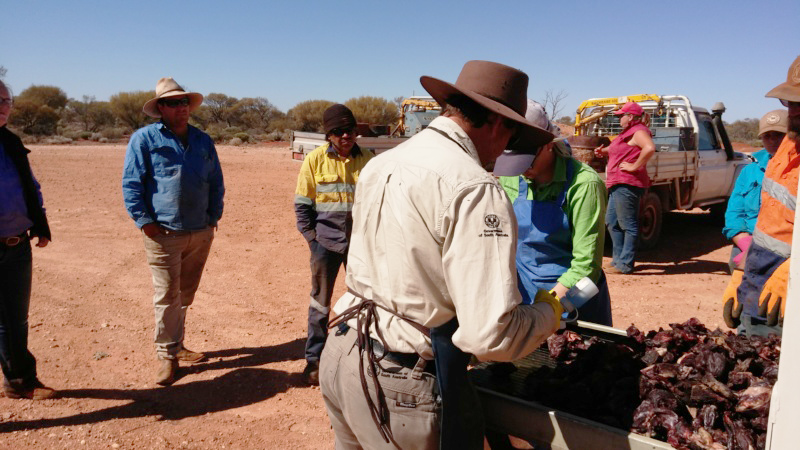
pixel 754 301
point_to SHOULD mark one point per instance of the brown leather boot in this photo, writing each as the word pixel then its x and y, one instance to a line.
pixel 34 391
pixel 166 371
pixel 189 356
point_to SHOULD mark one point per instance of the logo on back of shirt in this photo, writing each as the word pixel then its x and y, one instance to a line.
pixel 493 229
pixel 491 221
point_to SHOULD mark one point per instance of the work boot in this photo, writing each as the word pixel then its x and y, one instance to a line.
pixel 311 373
pixel 34 391
pixel 166 371
pixel 189 356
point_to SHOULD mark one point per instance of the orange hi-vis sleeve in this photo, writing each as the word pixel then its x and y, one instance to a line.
pixel 778 198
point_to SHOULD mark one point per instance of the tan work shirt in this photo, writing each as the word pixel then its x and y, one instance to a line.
pixel 434 236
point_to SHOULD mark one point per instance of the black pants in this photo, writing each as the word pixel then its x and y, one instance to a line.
pixel 19 365
pixel 324 269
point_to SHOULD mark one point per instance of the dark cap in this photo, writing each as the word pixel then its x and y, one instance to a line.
pixel 338 116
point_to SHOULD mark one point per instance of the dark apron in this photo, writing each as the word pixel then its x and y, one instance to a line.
pixel 461 420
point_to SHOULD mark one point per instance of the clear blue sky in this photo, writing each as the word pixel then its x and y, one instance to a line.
pixel 290 51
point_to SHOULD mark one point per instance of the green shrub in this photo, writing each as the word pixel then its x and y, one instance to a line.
pixel 243 136
pixel 112 133
pixel 235 141
pixel 86 135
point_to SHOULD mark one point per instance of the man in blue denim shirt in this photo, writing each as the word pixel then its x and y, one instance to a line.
pixel 22 217
pixel 173 188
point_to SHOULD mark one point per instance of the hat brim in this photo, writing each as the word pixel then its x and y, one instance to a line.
pixel 511 164
pixel 151 109
pixel 785 91
pixel 528 135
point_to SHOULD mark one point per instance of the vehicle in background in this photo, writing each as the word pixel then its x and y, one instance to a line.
pixel 694 165
pixel 415 114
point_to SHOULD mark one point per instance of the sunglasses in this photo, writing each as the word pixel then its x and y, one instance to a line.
pixel 786 103
pixel 174 102
pixel 6 101
pixel 339 132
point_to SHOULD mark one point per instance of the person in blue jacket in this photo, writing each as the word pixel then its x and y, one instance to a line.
pixel 745 200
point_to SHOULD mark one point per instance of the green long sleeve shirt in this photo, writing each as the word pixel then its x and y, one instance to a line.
pixel 585 207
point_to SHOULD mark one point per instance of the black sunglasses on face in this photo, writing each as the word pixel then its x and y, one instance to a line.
pixel 174 102
pixel 339 132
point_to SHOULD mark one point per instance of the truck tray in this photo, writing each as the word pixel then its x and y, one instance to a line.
pixel 505 412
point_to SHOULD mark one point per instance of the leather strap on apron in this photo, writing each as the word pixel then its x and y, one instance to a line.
pixel 365 314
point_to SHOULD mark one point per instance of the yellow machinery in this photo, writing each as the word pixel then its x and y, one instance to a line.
pixel 415 114
pixel 595 109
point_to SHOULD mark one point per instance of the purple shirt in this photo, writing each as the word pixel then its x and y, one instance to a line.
pixel 14 218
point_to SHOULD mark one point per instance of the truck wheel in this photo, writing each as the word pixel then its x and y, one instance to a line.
pixel 650 219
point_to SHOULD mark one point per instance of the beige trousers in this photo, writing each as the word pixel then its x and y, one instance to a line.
pixel 413 409
pixel 176 262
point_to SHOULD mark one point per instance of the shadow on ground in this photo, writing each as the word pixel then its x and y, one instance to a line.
pixel 685 238
pixel 242 386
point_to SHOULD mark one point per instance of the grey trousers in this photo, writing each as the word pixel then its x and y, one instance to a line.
pixel 413 406
pixel 176 262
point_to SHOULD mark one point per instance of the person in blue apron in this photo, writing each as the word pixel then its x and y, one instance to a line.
pixel 560 204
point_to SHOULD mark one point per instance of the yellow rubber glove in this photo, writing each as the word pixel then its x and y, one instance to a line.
pixel 772 302
pixel 551 299
pixel 731 308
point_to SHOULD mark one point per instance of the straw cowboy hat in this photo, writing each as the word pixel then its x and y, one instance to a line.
pixel 500 89
pixel 165 88
pixel 790 90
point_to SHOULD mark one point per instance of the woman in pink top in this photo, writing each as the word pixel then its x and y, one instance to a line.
pixel 627 180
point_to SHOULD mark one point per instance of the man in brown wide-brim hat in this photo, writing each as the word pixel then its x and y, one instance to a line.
pixel 431 274
pixel 173 188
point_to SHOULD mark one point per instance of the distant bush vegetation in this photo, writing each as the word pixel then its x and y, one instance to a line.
pixel 46 114
pixel 745 130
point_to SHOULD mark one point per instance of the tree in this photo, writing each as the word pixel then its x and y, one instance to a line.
pixel 50 96
pixel 33 118
pixel 127 108
pixel 373 110
pixel 566 120
pixel 553 102
pixel 744 130
pixel 307 115
pixel 255 113
pixel 37 110
pixel 91 114
pixel 220 108
pixel 3 72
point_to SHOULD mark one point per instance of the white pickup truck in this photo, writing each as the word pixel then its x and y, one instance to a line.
pixel 694 165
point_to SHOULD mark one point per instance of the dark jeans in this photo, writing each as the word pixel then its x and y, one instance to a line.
pixel 622 219
pixel 19 365
pixel 760 265
pixel 324 269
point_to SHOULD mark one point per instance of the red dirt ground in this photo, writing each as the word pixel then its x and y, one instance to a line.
pixel 91 314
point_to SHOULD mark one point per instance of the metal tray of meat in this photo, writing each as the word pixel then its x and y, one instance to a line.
pixel 505 412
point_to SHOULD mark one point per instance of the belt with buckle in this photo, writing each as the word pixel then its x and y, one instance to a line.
pixel 168 232
pixel 407 360
pixel 13 240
